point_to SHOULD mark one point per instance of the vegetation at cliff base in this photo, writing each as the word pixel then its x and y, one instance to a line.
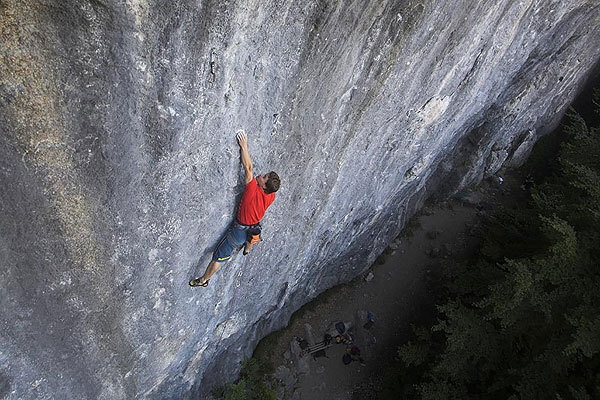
pixel 522 320
pixel 254 383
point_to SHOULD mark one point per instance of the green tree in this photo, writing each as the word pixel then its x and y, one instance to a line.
pixel 522 321
pixel 254 383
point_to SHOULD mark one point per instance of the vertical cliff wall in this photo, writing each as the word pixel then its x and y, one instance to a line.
pixel 119 169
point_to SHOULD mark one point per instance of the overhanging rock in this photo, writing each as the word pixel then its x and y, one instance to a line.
pixel 120 171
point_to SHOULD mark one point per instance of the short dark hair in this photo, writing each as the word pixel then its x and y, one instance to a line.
pixel 272 183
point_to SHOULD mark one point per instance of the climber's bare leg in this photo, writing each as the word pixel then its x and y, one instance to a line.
pixel 248 247
pixel 213 266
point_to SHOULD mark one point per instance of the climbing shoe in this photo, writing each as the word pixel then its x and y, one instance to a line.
pixel 196 282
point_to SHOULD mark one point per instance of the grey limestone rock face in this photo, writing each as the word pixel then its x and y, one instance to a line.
pixel 119 168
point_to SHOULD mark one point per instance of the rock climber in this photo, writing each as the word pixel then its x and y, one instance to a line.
pixel 258 195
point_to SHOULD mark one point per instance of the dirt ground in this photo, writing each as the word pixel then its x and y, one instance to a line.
pixel 399 291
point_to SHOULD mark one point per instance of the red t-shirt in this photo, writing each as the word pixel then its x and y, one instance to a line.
pixel 254 204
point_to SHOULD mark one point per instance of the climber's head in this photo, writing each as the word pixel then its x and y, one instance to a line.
pixel 269 183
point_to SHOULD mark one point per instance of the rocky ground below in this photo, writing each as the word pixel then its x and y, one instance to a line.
pixel 398 291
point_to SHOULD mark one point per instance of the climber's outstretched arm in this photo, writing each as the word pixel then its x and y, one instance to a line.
pixel 242 139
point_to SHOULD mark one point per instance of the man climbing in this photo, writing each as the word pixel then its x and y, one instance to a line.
pixel 245 230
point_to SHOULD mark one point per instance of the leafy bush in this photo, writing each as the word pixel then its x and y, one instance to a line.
pixel 252 385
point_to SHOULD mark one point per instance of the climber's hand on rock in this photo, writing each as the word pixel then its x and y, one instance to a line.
pixel 242 138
